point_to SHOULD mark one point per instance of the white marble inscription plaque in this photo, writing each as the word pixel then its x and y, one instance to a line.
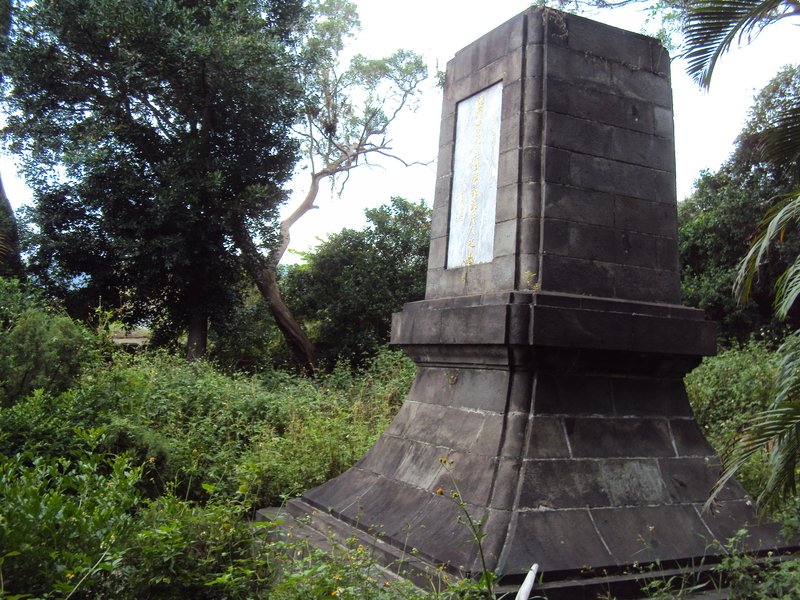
pixel 472 202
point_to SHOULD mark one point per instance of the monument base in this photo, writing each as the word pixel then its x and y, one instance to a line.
pixel 321 530
pixel 563 425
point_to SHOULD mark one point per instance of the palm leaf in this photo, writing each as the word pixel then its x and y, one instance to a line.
pixel 781 143
pixel 776 430
pixel 711 27
pixel 787 289
pixel 771 229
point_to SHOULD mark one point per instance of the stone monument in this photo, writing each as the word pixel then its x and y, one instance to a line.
pixel 551 345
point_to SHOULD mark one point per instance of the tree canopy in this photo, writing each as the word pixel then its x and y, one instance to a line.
pixel 148 132
pixel 348 109
pixel 349 286
pixel 717 222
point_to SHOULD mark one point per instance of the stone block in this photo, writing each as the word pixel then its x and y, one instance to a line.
pixel 486 324
pixel 531 167
pixel 646 534
pixel 519 395
pixel 691 480
pixel 388 507
pixel 534 63
pixel 514 441
pixel 479 389
pixel 401 420
pixel 504 494
pixel 655 218
pixel 518 332
pixel 642 149
pixel 444 164
pixel 613 437
pixel 507 202
pixel 645 85
pixel 437 532
pixel 342 492
pixel 650 396
pixel 447 427
pixel 419 465
pixel 577 276
pixel 647 285
pixel 384 457
pixel 616 177
pixel 405 324
pixel 631 482
pixel 503 273
pixel 660 60
pixel 663 123
pixel 529 235
pixel 584 35
pixel 731 516
pixel 603 106
pixel 689 441
pixel 441 199
pixel 528 272
pixel 508 168
pixel 578 68
pixel 556 165
pixel 532 123
pixel 472 474
pixel 574 394
pixel 437 252
pixel 546 438
pixel 505 237
pixel 447 131
pixel 439 224
pixel 561 484
pixel 490 438
pixel 577 240
pixel 549 536
pixel 580 206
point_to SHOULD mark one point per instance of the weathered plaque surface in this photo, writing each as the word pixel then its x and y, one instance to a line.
pixel 474 194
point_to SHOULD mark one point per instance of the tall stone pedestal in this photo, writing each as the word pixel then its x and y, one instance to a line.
pixel 551 346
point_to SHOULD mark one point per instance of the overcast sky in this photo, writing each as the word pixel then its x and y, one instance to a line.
pixel 706 123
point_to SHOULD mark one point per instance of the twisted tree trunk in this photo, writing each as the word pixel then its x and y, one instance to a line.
pixel 10 259
pixel 264 273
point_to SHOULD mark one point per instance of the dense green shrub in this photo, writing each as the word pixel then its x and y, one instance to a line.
pixel 198 430
pixel 65 520
pixel 725 391
pixel 39 348
pixel 156 501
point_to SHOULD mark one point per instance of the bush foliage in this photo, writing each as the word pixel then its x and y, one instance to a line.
pixel 136 476
pixel 39 347
pixel 726 391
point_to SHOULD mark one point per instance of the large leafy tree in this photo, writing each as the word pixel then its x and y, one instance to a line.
pixel 154 134
pixel 716 222
pixel 348 287
pixel 348 110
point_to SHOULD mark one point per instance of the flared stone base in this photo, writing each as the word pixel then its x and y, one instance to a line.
pixel 572 452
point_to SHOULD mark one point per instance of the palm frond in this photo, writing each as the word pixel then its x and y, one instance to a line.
pixel 711 27
pixel 787 289
pixel 781 143
pixel 776 430
pixel 772 228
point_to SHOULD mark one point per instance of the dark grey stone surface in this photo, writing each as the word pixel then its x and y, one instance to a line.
pixel 550 380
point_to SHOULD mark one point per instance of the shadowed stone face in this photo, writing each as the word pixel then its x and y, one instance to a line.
pixel 474 192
